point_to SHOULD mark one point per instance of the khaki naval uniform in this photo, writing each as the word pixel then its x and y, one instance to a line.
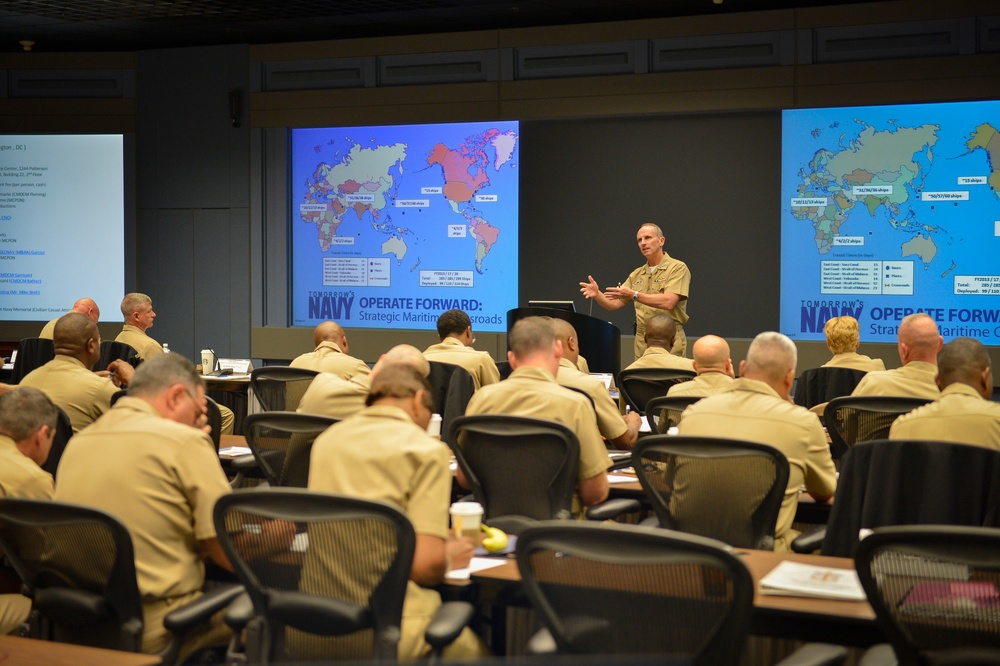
pixel 136 338
pixel 163 484
pixel 329 395
pixel 533 392
pixel 79 392
pixel 381 454
pixel 753 411
pixel 705 384
pixel 658 357
pixel 916 379
pixel 328 357
pixel 609 419
pixel 19 477
pixel 959 415
pixel 669 276
pixel 49 330
pixel 855 361
pixel 480 364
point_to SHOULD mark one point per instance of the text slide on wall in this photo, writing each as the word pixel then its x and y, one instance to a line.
pixel 61 224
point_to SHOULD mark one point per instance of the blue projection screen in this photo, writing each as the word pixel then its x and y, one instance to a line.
pixel 889 210
pixel 391 226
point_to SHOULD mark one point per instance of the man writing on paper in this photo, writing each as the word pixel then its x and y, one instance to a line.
pixel 660 286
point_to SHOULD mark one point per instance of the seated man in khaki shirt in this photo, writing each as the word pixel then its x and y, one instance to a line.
pixel 919 344
pixel 532 390
pixel 67 379
pixel 27 428
pixel 757 408
pixel 84 306
pixel 621 432
pixel 455 330
pixel 137 309
pixel 964 412
pixel 714 365
pixel 332 354
pixel 660 336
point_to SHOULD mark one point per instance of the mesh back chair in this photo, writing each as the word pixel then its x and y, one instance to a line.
pixel 31 353
pixel 936 591
pixel 78 567
pixel 336 590
pixel 517 466
pixel 451 387
pixel 853 419
pixel 279 388
pixel 723 489
pixel 64 431
pixel 628 590
pixel 664 412
pixel 214 420
pixel 112 350
pixel 281 443
pixel 818 385
pixel 640 385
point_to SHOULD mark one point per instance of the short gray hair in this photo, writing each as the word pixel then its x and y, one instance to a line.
pixel 771 355
pixel 159 373
pixel 24 410
pixel 132 302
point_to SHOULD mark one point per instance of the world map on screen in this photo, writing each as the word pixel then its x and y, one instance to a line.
pixel 888 211
pixel 408 220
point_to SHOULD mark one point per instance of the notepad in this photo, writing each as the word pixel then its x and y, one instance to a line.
pixel 794 579
pixel 477 564
pixel 233 451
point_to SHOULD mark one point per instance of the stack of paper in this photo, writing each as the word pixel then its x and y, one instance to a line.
pixel 794 579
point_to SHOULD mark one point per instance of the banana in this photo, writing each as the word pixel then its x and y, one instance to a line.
pixel 495 540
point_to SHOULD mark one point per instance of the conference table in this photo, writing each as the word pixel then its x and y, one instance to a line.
pixel 15 650
pixel 815 620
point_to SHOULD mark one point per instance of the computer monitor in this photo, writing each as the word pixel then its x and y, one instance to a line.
pixel 568 306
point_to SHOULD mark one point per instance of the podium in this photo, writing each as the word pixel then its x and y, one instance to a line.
pixel 600 341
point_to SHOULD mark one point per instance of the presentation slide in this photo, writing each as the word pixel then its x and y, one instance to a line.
pixel 62 224
pixel 391 226
pixel 890 210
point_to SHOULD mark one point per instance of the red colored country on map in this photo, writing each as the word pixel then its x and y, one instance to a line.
pixel 459 184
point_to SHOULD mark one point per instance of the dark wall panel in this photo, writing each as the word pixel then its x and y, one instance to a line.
pixel 711 182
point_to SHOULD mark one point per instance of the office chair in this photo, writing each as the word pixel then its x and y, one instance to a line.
pixel 214 420
pixel 522 469
pixel 629 590
pixel 936 592
pixel 280 388
pixel 908 482
pixel 78 568
pixel 640 385
pixel 818 385
pixel 335 590
pixel 112 350
pixel 64 431
pixel 31 353
pixel 664 412
pixel 724 489
pixel 281 443
pixel 853 419
pixel 451 388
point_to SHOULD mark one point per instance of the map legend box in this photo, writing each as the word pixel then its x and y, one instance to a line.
pixel 344 272
pixel 379 272
pixel 897 277
pixel 446 278
pixel 850 277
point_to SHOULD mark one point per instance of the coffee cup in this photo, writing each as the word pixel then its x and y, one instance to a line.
pixel 207 361
pixel 466 518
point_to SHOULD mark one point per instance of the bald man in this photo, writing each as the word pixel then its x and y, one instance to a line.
pixel 661 335
pixel 84 306
pixel 330 395
pixel 621 432
pixel 67 379
pixel 714 365
pixel 919 344
pixel 331 353
pixel 757 408
pixel 964 412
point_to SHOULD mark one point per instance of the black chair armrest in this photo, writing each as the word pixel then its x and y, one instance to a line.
pixel 809 541
pixel 239 613
pixel 448 622
pixel 613 508
pixel 202 608
pixel 816 654
pixel 620 464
